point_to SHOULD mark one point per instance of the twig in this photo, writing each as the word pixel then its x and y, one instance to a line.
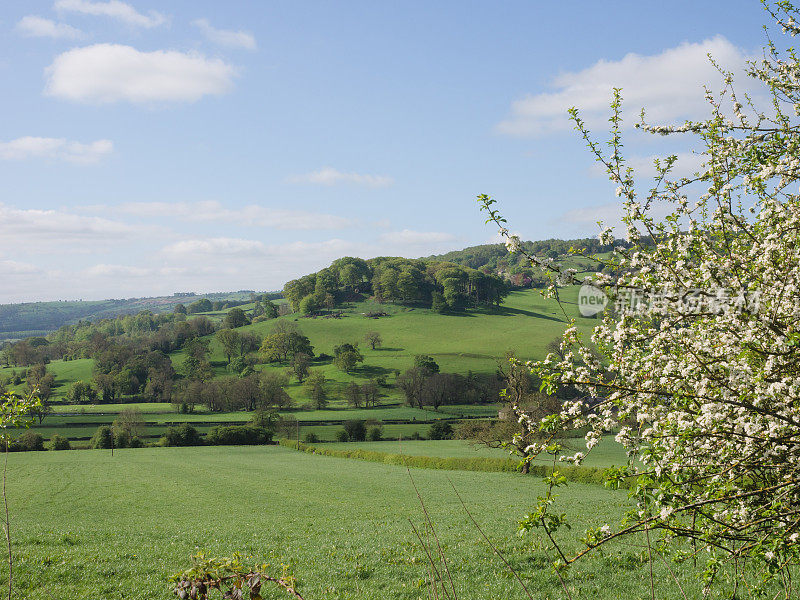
pixel 433 530
pixel 650 561
pixel 7 524
pixel 492 546
pixel 430 558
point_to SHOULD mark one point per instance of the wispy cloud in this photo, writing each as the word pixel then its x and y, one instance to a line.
pixel 105 73
pixel 225 37
pixel 55 148
pixel 33 26
pixel 669 85
pixel 113 9
pixel 220 246
pixel 416 238
pixel 331 176
pixel 12 267
pixel 115 270
pixel 251 215
pixel 43 230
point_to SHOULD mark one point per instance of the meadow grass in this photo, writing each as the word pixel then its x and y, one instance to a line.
pixel 606 454
pixel 87 525
pixel 323 423
pixel 459 342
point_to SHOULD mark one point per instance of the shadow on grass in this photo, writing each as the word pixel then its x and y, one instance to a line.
pixel 505 311
pixel 389 349
pixel 372 371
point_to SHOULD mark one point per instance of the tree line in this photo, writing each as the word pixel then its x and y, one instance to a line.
pixel 438 285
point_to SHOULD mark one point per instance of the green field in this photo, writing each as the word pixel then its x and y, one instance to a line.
pixel 474 341
pixel 118 527
pixel 607 453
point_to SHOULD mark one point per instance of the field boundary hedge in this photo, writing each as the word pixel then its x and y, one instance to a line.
pixel 591 475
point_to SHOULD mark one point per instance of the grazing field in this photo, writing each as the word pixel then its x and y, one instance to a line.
pixel 89 525
pixel 475 341
pixel 460 342
pixel 606 454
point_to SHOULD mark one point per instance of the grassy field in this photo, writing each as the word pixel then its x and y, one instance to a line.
pixel 77 425
pixel 118 527
pixel 605 454
pixel 472 341
pixel 475 341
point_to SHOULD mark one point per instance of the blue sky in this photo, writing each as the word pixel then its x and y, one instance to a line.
pixel 153 147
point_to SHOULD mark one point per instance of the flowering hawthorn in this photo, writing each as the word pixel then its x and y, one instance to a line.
pixel 700 378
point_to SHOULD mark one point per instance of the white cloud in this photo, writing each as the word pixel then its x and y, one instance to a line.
pixel 104 270
pixel 113 9
pixel 55 148
pixel 12 267
pixel 331 176
pixel 224 37
pixel 668 85
pixel 253 215
pixel 105 73
pixel 211 249
pixel 216 247
pixel 414 238
pixel 38 230
pixel 33 26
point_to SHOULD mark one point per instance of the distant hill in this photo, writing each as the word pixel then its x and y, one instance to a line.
pixel 495 257
pixel 39 318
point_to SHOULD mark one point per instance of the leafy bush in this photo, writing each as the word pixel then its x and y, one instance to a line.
pixel 375 433
pixel 122 438
pixel 356 430
pixel 416 436
pixel 59 442
pixel 28 441
pixel 440 430
pixel 182 435
pixel 103 438
pixel 341 436
pixel 239 435
pixel 311 438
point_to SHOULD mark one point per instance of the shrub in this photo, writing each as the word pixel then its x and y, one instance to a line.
pixel 122 438
pixel 375 434
pixel 103 438
pixel 59 442
pixel 136 443
pixel 341 436
pixel 356 430
pixel 182 435
pixel 416 436
pixel 440 430
pixel 28 441
pixel 311 438
pixel 239 435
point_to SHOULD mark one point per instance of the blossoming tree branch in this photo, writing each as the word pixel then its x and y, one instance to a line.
pixel 705 397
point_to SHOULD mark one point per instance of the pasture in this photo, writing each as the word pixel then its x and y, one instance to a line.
pixel 118 526
pixel 474 341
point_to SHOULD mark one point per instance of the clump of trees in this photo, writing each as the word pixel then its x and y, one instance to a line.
pixel 423 385
pixel 346 357
pixel 399 280
pixel 257 391
pixel 284 342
